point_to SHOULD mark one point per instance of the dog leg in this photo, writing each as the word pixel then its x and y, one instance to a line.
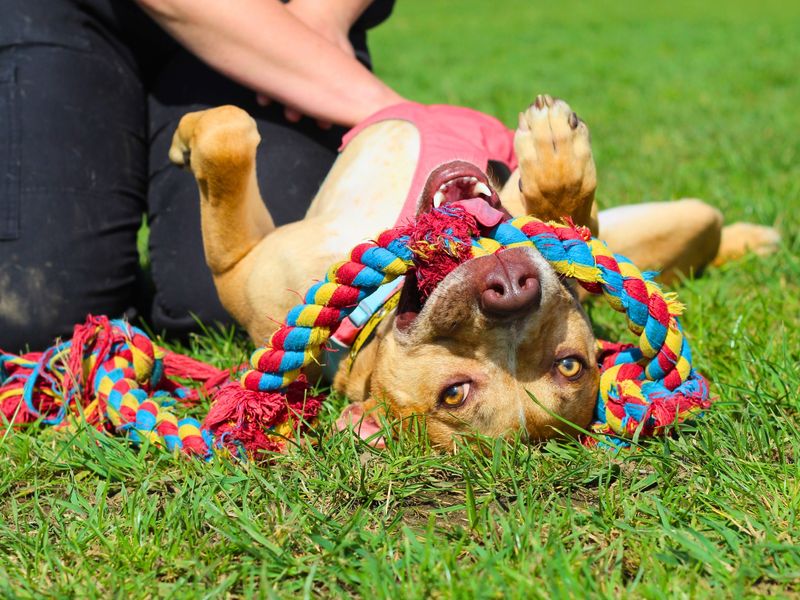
pixel 219 146
pixel 556 176
pixel 679 237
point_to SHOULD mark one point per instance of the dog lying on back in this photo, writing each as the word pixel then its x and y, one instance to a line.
pixel 497 328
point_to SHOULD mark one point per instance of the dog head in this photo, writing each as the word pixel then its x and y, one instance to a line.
pixel 495 331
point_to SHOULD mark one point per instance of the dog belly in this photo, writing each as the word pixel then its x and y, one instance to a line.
pixel 368 184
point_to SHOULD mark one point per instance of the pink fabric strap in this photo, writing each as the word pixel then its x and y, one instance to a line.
pixel 446 133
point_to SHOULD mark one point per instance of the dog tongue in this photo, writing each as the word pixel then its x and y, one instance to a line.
pixel 481 210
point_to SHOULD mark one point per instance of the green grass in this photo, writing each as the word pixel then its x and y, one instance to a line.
pixel 683 99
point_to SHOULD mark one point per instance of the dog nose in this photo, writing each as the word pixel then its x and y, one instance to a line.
pixel 508 284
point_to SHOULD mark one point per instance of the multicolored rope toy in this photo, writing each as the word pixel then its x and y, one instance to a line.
pixel 111 376
pixel 645 388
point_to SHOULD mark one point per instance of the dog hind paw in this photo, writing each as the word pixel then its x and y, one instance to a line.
pixel 739 239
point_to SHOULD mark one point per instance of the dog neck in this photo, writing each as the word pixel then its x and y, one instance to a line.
pixel 353 376
pixel 358 329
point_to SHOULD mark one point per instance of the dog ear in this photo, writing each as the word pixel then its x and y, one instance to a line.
pixel 364 419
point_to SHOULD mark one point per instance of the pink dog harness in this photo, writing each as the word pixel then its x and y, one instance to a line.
pixel 446 133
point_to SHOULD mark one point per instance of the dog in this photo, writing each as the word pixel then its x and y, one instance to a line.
pixel 497 328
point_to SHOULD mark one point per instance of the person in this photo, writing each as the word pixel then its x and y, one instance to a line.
pixel 90 94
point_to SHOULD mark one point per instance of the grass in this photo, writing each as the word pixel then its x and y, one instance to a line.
pixel 684 99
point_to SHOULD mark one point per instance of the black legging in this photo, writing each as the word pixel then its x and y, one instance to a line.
pixel 90 94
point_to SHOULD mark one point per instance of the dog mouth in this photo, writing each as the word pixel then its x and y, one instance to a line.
pixel 457 183
pixel 460 182
pixel 461 188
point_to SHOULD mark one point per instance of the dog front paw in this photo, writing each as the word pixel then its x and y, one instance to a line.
pixel 217 140
pixel 557 172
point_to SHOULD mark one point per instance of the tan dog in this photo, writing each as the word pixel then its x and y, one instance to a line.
pixel 497 327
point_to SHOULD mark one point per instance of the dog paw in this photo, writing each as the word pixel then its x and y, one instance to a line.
pixel 739 239
pixel 222 139
pixel 557 172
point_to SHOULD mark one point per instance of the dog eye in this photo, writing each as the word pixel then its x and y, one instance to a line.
pixel 570 367
pixel 455 395
pixel 519 183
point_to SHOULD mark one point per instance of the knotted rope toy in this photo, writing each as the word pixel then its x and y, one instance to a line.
pixel 111 376
pixel 645 388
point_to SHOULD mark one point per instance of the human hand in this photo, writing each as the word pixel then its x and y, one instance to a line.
pixel 264 47
pixel 331 20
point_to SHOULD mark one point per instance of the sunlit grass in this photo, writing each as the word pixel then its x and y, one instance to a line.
pixel 683 99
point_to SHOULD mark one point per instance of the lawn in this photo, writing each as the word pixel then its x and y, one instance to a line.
pixel 683 99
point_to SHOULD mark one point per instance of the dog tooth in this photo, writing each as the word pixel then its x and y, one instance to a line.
pixel 438 198
pixel 481 188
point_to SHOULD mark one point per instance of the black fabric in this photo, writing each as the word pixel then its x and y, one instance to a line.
pixel 90 94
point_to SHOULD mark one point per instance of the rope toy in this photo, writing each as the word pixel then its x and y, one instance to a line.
pixel 111 376
pixel 645 388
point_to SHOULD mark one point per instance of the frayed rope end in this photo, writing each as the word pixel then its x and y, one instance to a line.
pixel 255 423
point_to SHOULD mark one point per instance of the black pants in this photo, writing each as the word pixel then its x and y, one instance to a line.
pixel 90 94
